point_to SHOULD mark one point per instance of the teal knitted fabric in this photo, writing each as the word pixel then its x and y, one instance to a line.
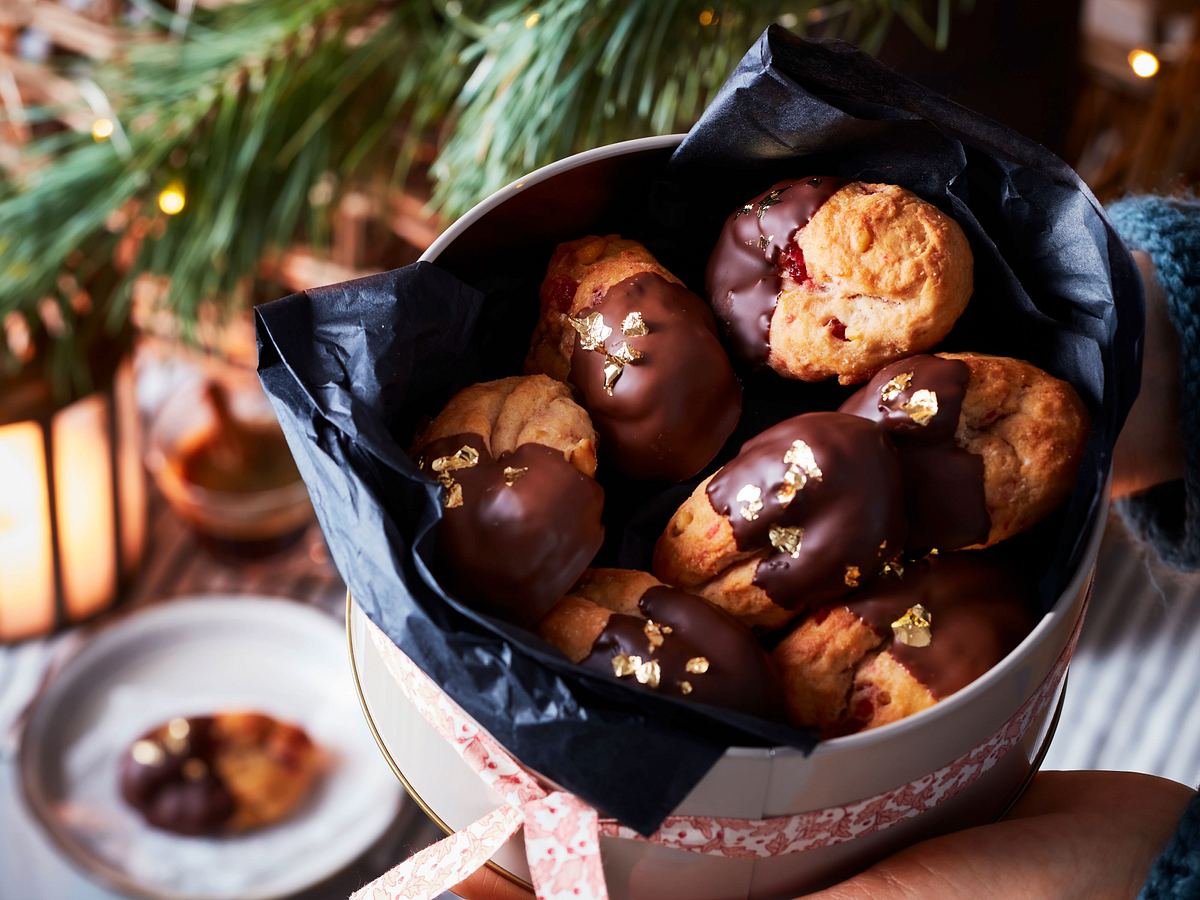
pixel 1175 875
pixel 1168 516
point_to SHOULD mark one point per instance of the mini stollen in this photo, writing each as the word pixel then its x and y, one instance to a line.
pixel 562 833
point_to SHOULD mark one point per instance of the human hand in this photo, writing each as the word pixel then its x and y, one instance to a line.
pixel 1073 834
pixel 488 884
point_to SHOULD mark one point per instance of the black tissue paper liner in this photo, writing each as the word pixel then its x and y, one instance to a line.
pixel 352 369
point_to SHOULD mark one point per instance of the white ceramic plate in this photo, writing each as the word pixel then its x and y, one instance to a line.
pixel 190 657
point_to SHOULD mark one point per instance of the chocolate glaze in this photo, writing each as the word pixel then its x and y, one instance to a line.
pixel 745 270
pixel 514 550
pixel 739 674
pixel 855 506
pixel 943 482
pixel 981 609
pixel 672 409
pixel 173 795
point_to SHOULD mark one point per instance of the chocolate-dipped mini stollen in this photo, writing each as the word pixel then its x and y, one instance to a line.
pixel 818 277
pixel 219 774
pixel 990 445
pixel 808 510
pixel 643 354
pixel 630 626
pixel 521 510
pixel 904 643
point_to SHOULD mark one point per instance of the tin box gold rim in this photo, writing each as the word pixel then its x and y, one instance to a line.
pixel 1035 764
pixel 400 776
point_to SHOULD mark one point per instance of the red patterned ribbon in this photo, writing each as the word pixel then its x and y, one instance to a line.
pixel 562 833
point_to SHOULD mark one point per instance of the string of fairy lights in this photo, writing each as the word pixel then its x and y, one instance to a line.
pixel 172 197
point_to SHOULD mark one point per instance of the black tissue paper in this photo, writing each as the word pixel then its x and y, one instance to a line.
pixel 353 369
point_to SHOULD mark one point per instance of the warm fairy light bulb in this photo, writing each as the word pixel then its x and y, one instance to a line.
pixel 171 199
pixel 532 19
pixel 102 129
pixel 708 17
pixel 1144 63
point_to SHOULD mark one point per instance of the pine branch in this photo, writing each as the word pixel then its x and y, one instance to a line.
pixel 564 75
pixel 256 104
pixel 245 115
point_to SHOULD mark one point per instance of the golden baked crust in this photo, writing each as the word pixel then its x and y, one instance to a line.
pixel 573 625
pixel 697 544
pixel 618 590
pixel 817 664
pixel 836 680
pixel 267 765
pixel 697 551
pixel 1030 428
pixel 887 276
pixel 735 592
pixel 579 274
pixel 885 692
pixel 523 409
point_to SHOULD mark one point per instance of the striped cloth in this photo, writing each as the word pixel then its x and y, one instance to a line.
pixel 1131 700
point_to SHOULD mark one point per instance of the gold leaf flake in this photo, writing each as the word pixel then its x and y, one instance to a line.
pixel 627 353
pixel 513 474
pixel 770 199
pixel 922 406
pixel 895 387
pixel 452 497
pixel 685 687
pixel 613 368
pixel 623 664
pixel 655 633
pixel 194 769
pixel 787 491
pixel 853 574
pixel 634 325
pixel 697 665
pixel 465 457
pixel 786 539
pixel 744 211
pixel 764 241
pixel 147 753
pixel 894 567
pixel 801 468
pixel 933 551
pixel 915 627
pixel 615 363
pixel 649 673
pixel 750 498
pixel 593 331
